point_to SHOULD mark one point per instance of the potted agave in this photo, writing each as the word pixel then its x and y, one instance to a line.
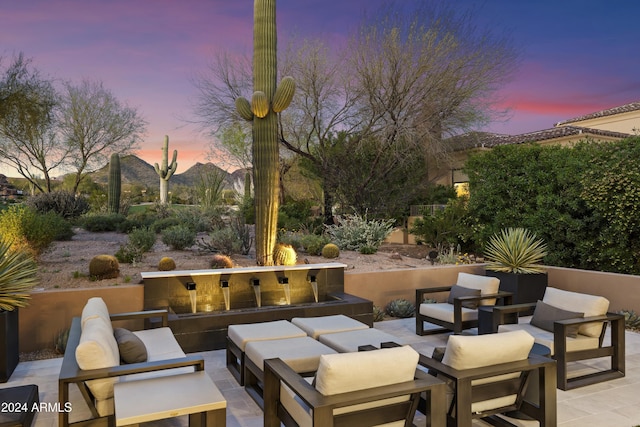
pixel 17 278
pixel 514 255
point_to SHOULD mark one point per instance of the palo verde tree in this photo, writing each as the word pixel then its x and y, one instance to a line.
pixel 266 102
pixel 28 139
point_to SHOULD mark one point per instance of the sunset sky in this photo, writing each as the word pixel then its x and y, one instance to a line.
pixel 579 56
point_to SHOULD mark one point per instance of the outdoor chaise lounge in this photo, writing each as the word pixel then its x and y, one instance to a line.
pixel 460 311
pixel 352 389
pixel 484 382
pixel 572 325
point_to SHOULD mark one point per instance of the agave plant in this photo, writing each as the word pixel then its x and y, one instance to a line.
pixel 515 250
pixel 17 277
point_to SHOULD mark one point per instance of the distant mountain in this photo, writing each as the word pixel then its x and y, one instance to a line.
pixel 134 170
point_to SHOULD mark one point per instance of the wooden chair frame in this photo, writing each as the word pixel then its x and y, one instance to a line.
pixel 466 393
pixel 505 298
pixel 615 351
pixel 70 372
pixel 277 372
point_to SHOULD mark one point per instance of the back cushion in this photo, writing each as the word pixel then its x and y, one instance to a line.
pixel 487 285
pixel 590 305
pixel 476 351
pixel 344 372
pixel 95 308
pixel 98 349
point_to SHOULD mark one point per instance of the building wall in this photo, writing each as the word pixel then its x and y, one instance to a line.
pixel 623 122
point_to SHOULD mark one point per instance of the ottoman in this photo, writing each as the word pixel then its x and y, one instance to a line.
pixel 239 335
pixel 301 354
pixel 316 326
pixel 349 341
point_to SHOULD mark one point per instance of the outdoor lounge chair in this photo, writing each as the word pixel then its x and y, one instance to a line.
pixel 460 311
pixel 573 325
pixel 484 382
pixel 352 389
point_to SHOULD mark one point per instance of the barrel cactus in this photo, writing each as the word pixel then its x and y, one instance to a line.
pixel 284 254
pixel 266 102
pixel 166 264
pixel 221 261
pixel 330 250
pixel 401 308
pixel 114 185
pixel 166 170
pixel 104 267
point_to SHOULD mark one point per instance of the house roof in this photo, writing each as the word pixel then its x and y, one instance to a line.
pixel 490 140
pixel 634 106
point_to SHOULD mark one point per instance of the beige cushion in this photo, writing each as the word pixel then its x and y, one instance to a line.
pixel 590 305
pixel 345 372
pixel 349 341
pixel 316 326
pixel 487 285
pixel 95 308
pixel 301 354
pixel 98 349
pixel 580 342
pixel 240 335
pixel 444 311
pixel 476 351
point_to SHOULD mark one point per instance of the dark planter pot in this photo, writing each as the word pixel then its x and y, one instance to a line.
pixel 526 288
pixel 10 354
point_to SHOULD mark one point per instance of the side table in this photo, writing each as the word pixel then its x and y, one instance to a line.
pixel 488 323
pixel 20 402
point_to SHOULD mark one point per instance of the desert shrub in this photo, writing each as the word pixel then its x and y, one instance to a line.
pixel 104 267
pixel 163 223
pixel 64 203
pixel 62 227
pixel 179 237
pixel 294 214
pixel 313 243
pixel 224 240
pixel 197 219
pixel 221 261
pixel 330 250
pixel 401 308
pixel 129 254
pixel 353 232
pixel 368 249
pixel 292 238
pixel 166 264
pixel 243 231
pixel 102 222
pixel 142 238
pixel 28 230
pixel 378 314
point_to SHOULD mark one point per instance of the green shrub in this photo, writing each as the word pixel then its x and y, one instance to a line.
pixel 224 240
pixel 353 232
pixel 142 238
pixel 163 223
pixel 378 314
pixel 313 243
pixel 197 219
pixel 102 222
pixel 28 230
pixel 179 237
pixel 129 254
pixel 401 308
pixel 64 203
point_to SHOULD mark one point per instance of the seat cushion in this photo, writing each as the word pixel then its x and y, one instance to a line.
pixel 301 354
pixel 590 305
pixel 316 326
pixel 487 285
pixel 545 315
pixel 240 335
pixel 580 342
pixel 349 341
pixel 444 311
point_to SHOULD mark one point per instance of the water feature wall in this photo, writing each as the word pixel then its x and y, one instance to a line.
pixel 205 302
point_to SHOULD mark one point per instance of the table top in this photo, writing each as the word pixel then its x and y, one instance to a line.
pixel 165 397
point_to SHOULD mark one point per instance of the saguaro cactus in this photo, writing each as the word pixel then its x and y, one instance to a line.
pixel 166 170
pixel 266 102
pixel 115 183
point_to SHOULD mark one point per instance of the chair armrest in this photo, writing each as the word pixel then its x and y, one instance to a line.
pixel 499 295
pixel 308 394
pixel 162 313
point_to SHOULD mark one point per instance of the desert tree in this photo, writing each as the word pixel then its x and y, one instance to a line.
pixel 28 139
pixel 94 124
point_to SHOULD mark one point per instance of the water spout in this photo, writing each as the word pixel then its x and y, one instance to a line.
pixel 191 287
pixel 256 289
pixel 224 284
pixel 284 281
pixel 314 287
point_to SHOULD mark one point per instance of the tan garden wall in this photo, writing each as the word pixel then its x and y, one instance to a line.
pixel 51 311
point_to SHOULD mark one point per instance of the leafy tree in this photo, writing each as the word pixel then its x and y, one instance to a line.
pixel 94 124
pixel 28 139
